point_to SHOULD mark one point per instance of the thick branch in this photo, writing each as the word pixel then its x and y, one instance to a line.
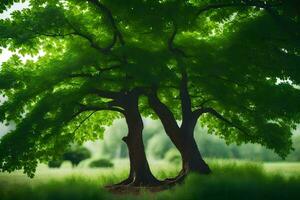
pixel 171 46
pixel 166 116
pixel 186 103
pixel 184 94
pixel 205 101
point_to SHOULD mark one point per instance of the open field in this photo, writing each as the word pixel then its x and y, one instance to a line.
pixel 230 180
pixel 282 168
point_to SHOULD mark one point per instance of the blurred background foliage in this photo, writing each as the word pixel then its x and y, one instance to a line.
pixel 158 145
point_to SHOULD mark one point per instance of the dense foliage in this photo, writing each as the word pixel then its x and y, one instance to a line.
pixel 236 61
pixel 210 145
pixel 55 163
pixel 102 163
pixel 76 154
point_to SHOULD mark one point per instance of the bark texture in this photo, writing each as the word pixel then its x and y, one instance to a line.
pixel 182 137
pixel 140 173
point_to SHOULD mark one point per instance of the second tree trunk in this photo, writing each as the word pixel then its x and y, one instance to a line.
pixel 140 173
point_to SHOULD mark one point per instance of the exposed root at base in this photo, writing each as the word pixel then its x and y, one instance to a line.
pixel 121 184
pixel 136 188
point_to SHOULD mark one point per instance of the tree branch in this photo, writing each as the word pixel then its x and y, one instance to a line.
pixel 166 116
pixel 94 109
pixel 171 46
pixel 241 4
pixel 81 75
pixel 56 34
pixel 100 71
pixel 77 32
pixel 90 39
pixel 107 94
pixel 220 117
pixel 205 102
pixel 186 104
pixel 110 17
pixel 82 122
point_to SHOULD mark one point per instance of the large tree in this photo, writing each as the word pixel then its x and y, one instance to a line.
pixel 232 63
pixel 57 99
pixel 237 68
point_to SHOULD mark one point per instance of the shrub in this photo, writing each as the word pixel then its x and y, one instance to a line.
pixel 55 163
pixel 104 163
pixel 77 154
pixel 173 156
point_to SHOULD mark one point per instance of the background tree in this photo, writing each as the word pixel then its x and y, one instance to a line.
pixel 104 163
pixel 76 154
pixel 55 163
pixel 111 147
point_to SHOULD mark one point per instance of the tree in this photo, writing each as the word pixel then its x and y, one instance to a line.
pixel 55 163
pixel 104 163
pixel 238 73
pixel 76 154
pixel 213 60
pixel 294 156
pixel 57 100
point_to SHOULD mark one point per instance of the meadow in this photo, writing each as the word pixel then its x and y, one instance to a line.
pixel 231 179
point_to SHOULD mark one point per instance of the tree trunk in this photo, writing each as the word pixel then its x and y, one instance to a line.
pixel 192 160
pixel 140 173
pixel 182 137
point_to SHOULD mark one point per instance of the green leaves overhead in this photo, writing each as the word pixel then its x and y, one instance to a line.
pixel 240 57
pixel 5 4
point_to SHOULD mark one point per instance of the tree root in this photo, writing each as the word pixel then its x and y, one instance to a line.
pixel 153 185
pixel 121 184
pixel 131 182
pixel 169 182
pixel 134 186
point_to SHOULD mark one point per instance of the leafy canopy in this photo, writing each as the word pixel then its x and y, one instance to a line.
pixel 233 52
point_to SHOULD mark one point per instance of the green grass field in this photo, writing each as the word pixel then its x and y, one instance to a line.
pixel 230 180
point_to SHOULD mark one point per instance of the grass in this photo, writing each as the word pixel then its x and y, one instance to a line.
pixel 283 168
pixel 230 180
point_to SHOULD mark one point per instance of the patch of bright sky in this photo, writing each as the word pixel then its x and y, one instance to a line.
pixel 16 6
pixel 287 81
pixel 6 54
